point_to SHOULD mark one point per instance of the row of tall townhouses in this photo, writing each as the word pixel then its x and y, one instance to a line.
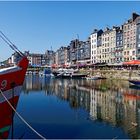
pixel 62 56
pixel 110 46
pixel 118 44
pixel 95 46
pixel 78 52
pixel 131 35
pixel 35 59
pixel 105 46
pixel 46 59
pixel 83 52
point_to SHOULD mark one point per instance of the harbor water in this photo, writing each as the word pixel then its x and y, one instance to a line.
pixel 77 109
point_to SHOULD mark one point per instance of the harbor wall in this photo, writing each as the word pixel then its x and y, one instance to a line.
pixel 111 74
pixel 114 74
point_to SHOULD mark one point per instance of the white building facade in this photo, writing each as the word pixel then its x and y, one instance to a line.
pixel 94 43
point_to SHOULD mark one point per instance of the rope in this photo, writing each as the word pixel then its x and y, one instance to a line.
pixel 22 117
pixel 12 46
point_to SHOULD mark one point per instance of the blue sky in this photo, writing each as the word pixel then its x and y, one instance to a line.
pixel 36 26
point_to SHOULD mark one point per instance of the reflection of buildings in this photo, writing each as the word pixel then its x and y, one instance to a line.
pixel 93 104
pixel 109 105
pixel 113 107
pixel 108 101
pixel 102 106
pixel 36 83
pixel 32 83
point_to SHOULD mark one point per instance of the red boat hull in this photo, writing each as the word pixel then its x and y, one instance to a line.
pixel 14 78
pixel 11 81
pixel 6 116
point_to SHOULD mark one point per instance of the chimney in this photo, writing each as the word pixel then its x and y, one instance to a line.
pixel 95 30
pixel 106 29
pixel 134 16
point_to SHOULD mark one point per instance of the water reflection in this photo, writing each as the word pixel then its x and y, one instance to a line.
pixel 113 102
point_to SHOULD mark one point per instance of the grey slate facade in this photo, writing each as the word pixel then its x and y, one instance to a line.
pixel 119 46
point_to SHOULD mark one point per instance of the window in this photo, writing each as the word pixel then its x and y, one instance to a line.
pixel 134 45
pixel 127 38
pixel 125 27
pixel 139 36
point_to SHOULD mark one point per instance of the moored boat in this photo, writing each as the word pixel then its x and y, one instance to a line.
pixel 68 73
pixel 78 75
pixel 135 82
pixel 47 71
pixel 11 81
pixel 95 77
pixel 13 77
pixel 92 78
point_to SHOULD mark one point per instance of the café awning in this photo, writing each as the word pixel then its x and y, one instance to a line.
pixel 133 62
pixel 54 65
